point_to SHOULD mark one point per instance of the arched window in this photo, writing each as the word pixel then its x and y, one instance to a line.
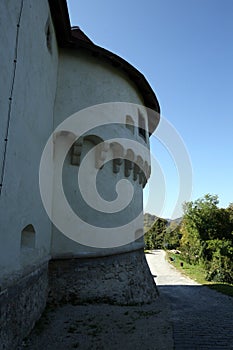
pixel 129 123
pixel 142 126
pixel 28 237
pixel 48 34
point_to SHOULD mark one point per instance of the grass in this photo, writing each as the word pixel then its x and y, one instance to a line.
pixel 197 273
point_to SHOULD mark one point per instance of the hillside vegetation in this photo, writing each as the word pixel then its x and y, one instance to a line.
pixel 204 237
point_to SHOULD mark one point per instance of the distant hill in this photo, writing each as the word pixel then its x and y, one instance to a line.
pixel 177 221
pixel 149 220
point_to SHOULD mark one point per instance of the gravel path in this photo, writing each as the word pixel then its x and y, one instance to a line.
pixel 202 318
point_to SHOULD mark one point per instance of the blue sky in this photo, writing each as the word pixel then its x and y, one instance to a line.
pixel 185 50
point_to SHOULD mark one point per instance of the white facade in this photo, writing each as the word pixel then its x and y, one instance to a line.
pixel 40 88
pixel 28 85
pixel 47 74
pixel 85 81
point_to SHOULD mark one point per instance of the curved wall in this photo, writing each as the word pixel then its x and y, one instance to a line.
pixel 84 81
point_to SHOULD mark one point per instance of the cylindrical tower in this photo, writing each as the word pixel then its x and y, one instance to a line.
pixel 114 147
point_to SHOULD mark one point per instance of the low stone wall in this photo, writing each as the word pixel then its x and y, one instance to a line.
pixel 21 305
pixel 121 279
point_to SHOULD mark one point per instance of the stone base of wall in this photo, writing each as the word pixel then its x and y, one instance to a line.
pixel 119 279
pixel 21 305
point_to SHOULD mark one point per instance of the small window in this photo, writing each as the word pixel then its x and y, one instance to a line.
pixel 48 34
pixel 129 123
pixel 142 126
pixel 28 237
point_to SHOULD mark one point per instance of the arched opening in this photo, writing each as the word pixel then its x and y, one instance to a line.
pixel 48 34
pixel 28 237
pixel 129 123
pixel 142 126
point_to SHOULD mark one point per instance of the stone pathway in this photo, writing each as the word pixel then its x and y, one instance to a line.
pixel 202 318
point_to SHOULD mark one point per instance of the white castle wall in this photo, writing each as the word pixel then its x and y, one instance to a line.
pixel 30 117
pixel 39 89
pixel 85 81
pixel 28 65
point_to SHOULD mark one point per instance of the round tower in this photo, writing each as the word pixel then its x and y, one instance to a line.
pixel 105 112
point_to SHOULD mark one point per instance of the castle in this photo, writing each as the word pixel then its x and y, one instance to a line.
pixel 49 72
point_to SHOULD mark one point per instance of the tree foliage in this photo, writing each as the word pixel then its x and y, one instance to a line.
pixel 204 237
pixel 154 238
pixel 207 237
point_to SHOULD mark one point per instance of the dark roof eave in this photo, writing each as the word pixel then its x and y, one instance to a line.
pixel 61 20
pixel 65 39
pixel 118 62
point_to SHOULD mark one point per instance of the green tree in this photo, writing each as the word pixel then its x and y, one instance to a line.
pixel 230 212
pixel 154 238
pixel 207 237
pixel 220 267
pixel 172 236
pixel 200 215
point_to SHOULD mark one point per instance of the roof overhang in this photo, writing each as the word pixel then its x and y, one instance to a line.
pixel 74 38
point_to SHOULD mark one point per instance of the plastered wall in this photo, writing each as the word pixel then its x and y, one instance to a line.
pixel 28 65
